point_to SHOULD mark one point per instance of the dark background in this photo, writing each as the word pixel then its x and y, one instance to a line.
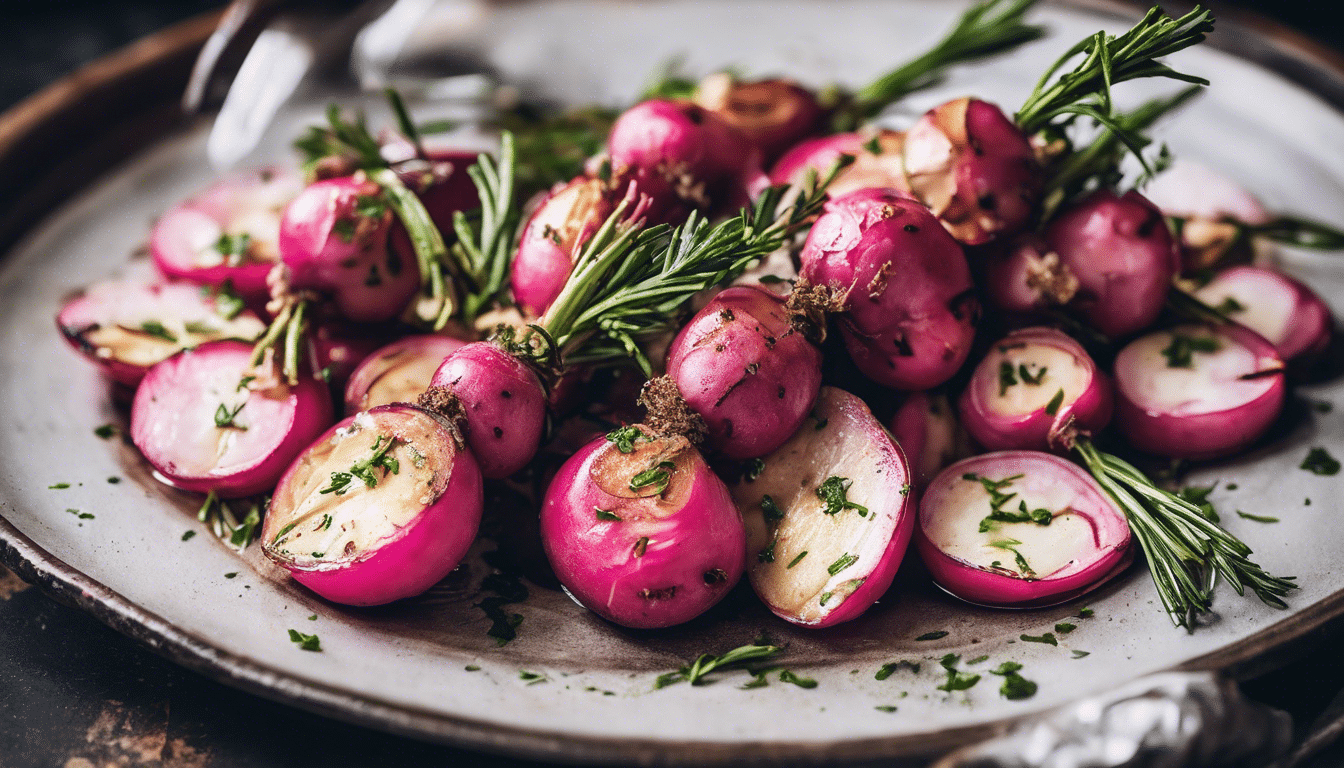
pixel 75 694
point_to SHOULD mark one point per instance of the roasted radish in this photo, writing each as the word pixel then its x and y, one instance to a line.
pixel 380 508
pixel 398 372
pixel 1284 311
pixel 828 515
pixel 207 423
pixel 1020 529
pixel 1197 392
pixel 877 162
pixel 926 427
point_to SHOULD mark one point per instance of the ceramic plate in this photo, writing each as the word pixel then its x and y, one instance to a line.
pixel 410 667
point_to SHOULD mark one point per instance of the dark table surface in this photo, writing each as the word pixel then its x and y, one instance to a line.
pixel 76 694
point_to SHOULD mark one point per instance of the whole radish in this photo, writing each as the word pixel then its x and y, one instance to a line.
pixel 504 402
pixel 1197 392
pixel 1020 529
pixel 126 326
pixel 640 531
pixel 205 423
pixel 828 515
pixel 380 508
pixel 1023 275
pixel 1032 385
pixel 877 162
pixel 974 168
pixel 398 372
pixel 1123 256
pixel 925 426
pixel 773 115
pixel 909 309
pixel 743 367
pixel 1283 310
pixel 230 231
pixel 334 238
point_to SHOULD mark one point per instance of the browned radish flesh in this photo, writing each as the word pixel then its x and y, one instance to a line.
pixel 128 325
pixel 379 508
pixel 398 372
pixel 828 515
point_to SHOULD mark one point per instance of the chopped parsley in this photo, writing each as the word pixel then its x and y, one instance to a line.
pixel 1007 377
pixel 754 469
pixel 656 477
pixel 305 642
pixel 833 492
pixel 472 668
pixel 507 588
pixel 767 555
pixel 1230 306
pixel 1022 515
pixel 1180 353
pixel 890 668
pixel 1086 613
pixel 58 486
pixel 697 671
pixel 1065 627
pixel 231 575
pixel 227 419
pixel 227 301
pixel 532 678
pixel 1048 639
pixel 106 432
pixel 1026 377
pixel 155 328
pixel 607 515
pixel 1256 518
pixel 1014 685
pixel 1199 496
pixel 770 509
pixel 233 245
pixel 1011 545
pixel 956 680
pixel 1052 407
pixel 380 456
pixel 80 515
pixel 625 438
pixel 189 535
pixel 841 564
pixel 1320 462
pixel 114 480
pixel 885 708
pixel 786 676
pixel 935 635
pixel 1080 654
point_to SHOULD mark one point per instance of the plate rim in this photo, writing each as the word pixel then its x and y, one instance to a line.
pixel 1322 74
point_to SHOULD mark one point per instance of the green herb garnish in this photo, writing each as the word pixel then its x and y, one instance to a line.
pixel 796 560
pixel 305 642
pixel 697 671
pixel 935 635
pixel 1180 352
pixel 625 438
pixel 1320 462
pixel 106 432
pixel 1048 638
pixel 770 510
pixel 656 477
pixel 226 418
pixel 1052 407
pixel 833 492
pixel 842 563
pixel 956 681
pixel 156 329
pixel 603 514
pixel 1256 518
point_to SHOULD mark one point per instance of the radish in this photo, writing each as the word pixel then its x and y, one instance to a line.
pixel 205 423
pixel 773 115
pixel 230 231
pixel 380 508
pixel 877 162
pixel 334 238
pixel 563 222
pixel 337 348
pixel 1197 392
pixel 1020 529
pixel 926 427
pixel 398 372
pixel 1122 255
pixel 740 364
pixel 1284 311
pixel 504 402
pixel 640 531
pixel 1034 383
pixel 1023 275
pixel 1212 210
pixel 828 515
pixel 910 309
pixel 974 168
pixel 127 326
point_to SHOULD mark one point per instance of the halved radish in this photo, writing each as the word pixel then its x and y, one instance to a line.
pixel 640 531
pixel 398 372
pixel 877 162
pixel 126 326
pixel 228 232
pixel 1284 311
pixel 828 515
pixel 1033 383
pixel 380 508
pixel 202 428
pixel 926 427
pixel 1197 392
pixel 1020 529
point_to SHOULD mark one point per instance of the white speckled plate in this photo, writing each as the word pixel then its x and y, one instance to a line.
pixel 405 667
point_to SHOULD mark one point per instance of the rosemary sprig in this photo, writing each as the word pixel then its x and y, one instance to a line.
pixel 1186 551
pixel 696 672
pixel 1302 233
pixel 347 140
pixel 985 29
pixel 1108 60
pixel 553 146
pixel 285 331
pixel 483 253
pixel 629 283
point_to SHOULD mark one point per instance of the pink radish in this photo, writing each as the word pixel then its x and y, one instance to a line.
pixel 380 508
pixel 199 423
pixel 1197 392
pixel 773 115
pixel 1121 253
pixel 910 310
pixel 740 364
pixel 1192 190
pixel 334 238
pixel 504 402
pixel 640 531
pixel 877 162
pixel 1020 529
pixel 1023 275
pixel 974 168
pixel 1284 311
pixel 228 232
pixel 926 428
pixel 126 326
pixel 336 349
pixel 828 515
pixel 566 220
pixel 1032 385
pixel 398 372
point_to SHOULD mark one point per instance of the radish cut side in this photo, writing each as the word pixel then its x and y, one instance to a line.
pixel 1070 538
pixel 126 326
pixel 1197 392
pixel 398 372
pixel 197 422
pixel 828 515
pixel 1287 313
pixel 380 508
